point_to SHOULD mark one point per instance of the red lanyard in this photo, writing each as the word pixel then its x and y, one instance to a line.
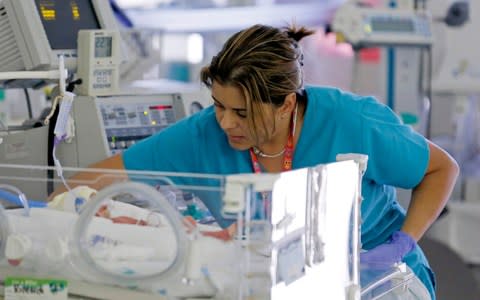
pixel 287 156
pixel 287 165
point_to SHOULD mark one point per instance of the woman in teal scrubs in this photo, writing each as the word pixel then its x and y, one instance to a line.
pixel 265 120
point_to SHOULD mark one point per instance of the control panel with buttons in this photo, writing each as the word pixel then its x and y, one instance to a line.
pixel 127 123
pixel 107 125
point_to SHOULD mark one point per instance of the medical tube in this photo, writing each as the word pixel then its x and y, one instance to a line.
pixel 17 199
pixel 21 196
pixel 157 203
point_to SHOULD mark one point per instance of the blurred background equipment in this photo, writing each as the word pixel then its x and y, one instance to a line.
pixel 99 54
pixel 419 57
pixel 403 34
pixel 37 32
pixel 432 84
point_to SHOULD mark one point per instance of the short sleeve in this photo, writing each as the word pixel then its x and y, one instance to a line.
pixel 398 155
pixel 169 150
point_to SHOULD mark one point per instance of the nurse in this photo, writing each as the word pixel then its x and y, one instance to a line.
pixel 265 120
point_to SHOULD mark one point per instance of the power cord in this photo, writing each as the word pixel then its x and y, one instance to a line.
pixel 29 103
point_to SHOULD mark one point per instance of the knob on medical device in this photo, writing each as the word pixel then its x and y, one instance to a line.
pixel 16 248
pixel 56 250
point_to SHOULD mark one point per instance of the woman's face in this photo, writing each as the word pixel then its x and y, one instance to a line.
pixel 231 114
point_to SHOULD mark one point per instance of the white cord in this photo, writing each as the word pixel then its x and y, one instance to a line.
pixel 62 79
pixel 58 168
pixel 52 110
pixel 294 127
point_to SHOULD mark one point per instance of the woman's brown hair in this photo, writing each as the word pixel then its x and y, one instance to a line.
pixel 265 63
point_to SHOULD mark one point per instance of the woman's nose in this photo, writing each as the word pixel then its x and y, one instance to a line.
pixel 227 120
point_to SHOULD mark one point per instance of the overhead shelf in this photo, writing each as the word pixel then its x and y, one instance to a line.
pixel 234 18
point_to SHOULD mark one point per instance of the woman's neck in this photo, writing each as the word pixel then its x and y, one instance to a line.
pixel 278 142
pixel 276 145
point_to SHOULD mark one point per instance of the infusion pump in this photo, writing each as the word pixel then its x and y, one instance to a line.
pixel 363 26
pixel 106 125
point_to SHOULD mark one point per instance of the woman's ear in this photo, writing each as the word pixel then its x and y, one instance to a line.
pixel 289 104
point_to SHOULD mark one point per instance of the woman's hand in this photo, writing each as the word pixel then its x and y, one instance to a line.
pixel 225 234
pixel 386 255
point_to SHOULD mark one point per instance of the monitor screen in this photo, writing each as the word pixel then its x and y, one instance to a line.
pixel 63 19
pixel 392 25
pixel 103 46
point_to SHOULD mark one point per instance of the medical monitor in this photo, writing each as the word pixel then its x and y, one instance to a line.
pixel 36 32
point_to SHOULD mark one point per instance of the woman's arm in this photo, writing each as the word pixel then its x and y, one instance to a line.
pixel 432 193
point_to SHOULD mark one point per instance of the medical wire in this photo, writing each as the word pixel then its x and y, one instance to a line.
pixel 52 111
pixel 58 166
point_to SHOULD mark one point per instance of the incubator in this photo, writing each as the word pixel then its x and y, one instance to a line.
pixel 129 235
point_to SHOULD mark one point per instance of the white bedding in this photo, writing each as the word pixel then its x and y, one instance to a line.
pixel 118 249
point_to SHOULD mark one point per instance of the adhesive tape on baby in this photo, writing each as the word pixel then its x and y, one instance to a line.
pixel 67 201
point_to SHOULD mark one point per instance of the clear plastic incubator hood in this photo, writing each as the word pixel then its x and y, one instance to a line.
pixel 149 235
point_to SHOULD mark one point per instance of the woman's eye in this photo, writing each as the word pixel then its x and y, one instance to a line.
pixel 218 105
pixel 242 114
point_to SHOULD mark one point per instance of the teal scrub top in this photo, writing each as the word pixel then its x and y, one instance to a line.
pixel 334 122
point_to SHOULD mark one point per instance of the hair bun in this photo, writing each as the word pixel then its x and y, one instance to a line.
pixel 297 34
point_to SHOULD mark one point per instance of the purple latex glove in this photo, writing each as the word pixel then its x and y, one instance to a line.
pixel 385 255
